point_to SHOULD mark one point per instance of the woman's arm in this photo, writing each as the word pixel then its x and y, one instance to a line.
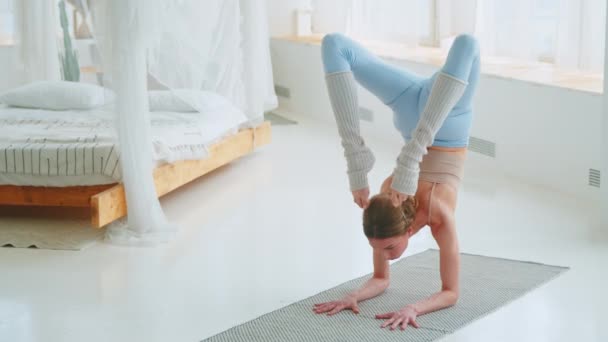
pixel 449 264
pixel 379 281
pixel 373 287
pixel 449 268
pixel 445 93
pixel 342 89
pixel 385 188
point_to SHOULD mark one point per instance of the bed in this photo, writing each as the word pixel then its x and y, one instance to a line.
pixel 70 159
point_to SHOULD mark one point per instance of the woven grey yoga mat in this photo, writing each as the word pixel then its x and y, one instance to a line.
pixel 486 285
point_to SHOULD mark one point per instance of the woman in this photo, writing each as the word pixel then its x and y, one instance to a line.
pixel 434 116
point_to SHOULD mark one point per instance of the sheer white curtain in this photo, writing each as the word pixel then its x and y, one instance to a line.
pixel 7 28
pixel 220 45
pixel 405 22
pixel 257 74
pixel 330 16
pixel 388 20
pixel 505 28
pixel 568 33
pixel 580 35
pixel 604 148
pixel 215 45
pixel 36 37
pixel 125 30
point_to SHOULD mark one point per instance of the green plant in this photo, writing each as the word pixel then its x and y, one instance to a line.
pixel 69 59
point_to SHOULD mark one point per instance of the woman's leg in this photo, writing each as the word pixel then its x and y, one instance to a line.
pixel 342 54
pixel 463 63
pixel 452 88
pixel 344 62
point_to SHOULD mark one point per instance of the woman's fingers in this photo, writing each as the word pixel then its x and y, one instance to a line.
pixel 385 316
pixel 362 201
pixel 387 323
pixel 337 309
pixel 397 198
pixel 324 308
pixel 396 323
pixel 361 197
pixel 356 200
pixel 333 308
pixel 320 306
pixel 328 308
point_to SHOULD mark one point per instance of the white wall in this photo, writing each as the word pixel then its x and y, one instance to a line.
pixel 324 18
pixel 460 14
pixel 9 76
pixel 281 14
pixel 544 135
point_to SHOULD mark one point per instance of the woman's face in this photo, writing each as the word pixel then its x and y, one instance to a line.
pixel 392 248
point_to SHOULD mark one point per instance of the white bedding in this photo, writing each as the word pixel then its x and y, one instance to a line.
pixel 70 148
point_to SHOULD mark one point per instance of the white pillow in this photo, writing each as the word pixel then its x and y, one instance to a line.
pixel 57 95
pixel 187 100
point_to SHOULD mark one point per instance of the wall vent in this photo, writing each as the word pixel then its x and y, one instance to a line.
pixel 594 178
pixel 282 91
pixel 481 146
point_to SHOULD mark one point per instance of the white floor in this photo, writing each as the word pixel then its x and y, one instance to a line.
pixel 279 226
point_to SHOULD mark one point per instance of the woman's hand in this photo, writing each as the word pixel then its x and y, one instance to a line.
pixel 386 185
pixel 347 303
pixel 397 198
pixel 361 197
pixel 401 318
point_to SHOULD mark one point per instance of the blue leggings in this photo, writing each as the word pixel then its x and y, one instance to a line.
pixel 406 93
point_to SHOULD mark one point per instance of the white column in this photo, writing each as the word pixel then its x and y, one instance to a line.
pixel 147 224
pixel 257 73
pixel 604 131
pixel 37 25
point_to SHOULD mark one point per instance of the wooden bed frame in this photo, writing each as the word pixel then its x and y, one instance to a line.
pixel 107 203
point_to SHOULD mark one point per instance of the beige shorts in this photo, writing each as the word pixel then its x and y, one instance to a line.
pixel 443 167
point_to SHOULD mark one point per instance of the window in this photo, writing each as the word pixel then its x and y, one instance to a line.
pixel 427 22
pixel 410 22
pixel 545 20
pixel 567 33
pixel 7 24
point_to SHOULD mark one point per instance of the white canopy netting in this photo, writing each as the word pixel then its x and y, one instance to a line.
pixel 181 48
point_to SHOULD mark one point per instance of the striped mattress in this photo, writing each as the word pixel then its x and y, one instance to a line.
pixel 69 148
